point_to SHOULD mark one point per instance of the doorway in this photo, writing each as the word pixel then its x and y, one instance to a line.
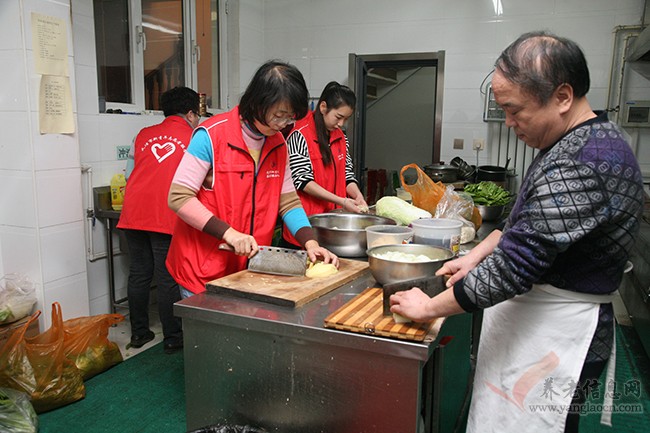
pixel 398 117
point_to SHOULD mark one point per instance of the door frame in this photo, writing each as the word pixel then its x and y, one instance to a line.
pixel 357 80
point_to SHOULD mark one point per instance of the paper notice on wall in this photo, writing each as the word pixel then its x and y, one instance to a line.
pixel 50 45
pixel 55 105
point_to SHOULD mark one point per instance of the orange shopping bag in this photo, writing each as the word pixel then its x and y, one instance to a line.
pixel 425 193
pixel 38 366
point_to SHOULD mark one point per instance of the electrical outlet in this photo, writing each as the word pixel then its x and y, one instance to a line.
pixel 478 144
pixel 123 152
pixel 459 143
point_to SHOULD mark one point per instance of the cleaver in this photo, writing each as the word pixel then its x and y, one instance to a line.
pixel 276 260
pixel 432 286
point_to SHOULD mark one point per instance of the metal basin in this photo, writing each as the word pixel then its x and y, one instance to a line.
pixel 490 213
pixel 389 271
pixel 344 234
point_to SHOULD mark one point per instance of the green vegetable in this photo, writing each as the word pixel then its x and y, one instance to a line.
pixel 488 194
pixel 16 412
pixel 402 212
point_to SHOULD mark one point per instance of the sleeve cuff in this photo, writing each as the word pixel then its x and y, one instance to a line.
pixel 462 298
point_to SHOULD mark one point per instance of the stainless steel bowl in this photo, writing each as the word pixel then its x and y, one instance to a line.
pixel 344 234
pixel 388 271
pixel 491 213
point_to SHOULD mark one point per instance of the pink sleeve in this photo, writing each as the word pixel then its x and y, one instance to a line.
pixel 191 172
pixel 194 213
pixel 287 182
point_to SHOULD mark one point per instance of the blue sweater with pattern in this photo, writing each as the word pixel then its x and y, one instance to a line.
pixel 572 225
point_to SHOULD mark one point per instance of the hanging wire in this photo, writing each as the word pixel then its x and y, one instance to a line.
pixel 482 88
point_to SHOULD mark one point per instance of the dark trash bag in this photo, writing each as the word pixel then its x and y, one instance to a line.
pixel 223 428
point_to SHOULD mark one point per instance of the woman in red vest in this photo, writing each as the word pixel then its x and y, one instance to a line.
pixel 319 157
pixel 148 222
pixel 234 181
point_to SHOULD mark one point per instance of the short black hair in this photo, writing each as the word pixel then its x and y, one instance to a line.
pixel 274 82
pixel 540 62
pixel 179 100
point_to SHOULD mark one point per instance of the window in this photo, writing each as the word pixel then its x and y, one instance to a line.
pixel 145 47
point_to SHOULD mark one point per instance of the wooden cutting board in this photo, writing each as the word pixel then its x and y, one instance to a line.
pixel 364 313
pixel 285 290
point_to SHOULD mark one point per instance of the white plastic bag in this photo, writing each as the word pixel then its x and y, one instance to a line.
pixel 458 206
pixel 17 297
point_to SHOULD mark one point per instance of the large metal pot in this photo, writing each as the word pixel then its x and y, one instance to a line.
pixel 344 234
pixel 492 173
pixel 442 173
pixel 386 271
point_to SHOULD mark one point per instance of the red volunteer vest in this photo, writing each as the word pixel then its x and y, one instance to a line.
pixel 330 177
pixel 158 151
pixel 248 201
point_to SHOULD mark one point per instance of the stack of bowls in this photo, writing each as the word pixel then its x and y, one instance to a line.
pixel 465 171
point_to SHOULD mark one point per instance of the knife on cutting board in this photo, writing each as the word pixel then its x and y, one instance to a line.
pixel 432 286
pixel 276 260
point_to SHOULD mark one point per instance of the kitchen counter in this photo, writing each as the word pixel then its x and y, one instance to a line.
pixel 255 363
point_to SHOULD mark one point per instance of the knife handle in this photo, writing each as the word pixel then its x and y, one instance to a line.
pixel 225 247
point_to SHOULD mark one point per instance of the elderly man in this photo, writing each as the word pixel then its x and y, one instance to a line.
pixel 546 281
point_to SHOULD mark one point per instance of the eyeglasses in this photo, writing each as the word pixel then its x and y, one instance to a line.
pixel 282 121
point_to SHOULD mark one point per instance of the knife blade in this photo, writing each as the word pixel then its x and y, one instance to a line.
pixel 432 286
pixel 276 260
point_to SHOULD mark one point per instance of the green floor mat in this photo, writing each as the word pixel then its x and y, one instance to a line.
pixel 632 369
pixel 144 394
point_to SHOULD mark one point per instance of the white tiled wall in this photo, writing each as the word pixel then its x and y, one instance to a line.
pixel 42 225
pixel 318 36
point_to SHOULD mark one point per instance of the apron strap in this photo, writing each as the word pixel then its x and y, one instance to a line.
pixel 576 296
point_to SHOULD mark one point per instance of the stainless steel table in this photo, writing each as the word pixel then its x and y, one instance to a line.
pixel 249 362
pixel 110 218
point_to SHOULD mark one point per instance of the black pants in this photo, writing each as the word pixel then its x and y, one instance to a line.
pixel 148 252
pixel 590 371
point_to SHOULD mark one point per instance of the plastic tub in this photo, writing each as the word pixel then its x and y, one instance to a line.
pixel 403 194
pixel 442 232
pixel 382 234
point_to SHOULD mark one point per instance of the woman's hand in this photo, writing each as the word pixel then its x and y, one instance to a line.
pixel 357 205
pixel 243 244
pixel 361 204
pixel 315 251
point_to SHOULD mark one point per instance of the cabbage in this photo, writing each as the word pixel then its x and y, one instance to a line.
pixel 397 209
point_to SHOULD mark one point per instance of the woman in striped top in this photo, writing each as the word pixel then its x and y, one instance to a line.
pixel 320 162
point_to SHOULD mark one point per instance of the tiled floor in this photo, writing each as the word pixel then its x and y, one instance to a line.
pixel 121 333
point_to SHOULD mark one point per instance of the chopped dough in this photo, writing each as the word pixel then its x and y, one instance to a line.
pixel 320 270
pixel 400 319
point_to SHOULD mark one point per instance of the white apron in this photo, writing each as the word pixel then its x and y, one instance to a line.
pixel 531 352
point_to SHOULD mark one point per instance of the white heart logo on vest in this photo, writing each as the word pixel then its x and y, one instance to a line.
pixel 162 151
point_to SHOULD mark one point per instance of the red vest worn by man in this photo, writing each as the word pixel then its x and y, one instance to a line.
pixel 247 200
pixel 157 153
pixel 331 177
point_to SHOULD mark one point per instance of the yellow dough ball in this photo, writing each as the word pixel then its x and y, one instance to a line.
pixel 320 270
